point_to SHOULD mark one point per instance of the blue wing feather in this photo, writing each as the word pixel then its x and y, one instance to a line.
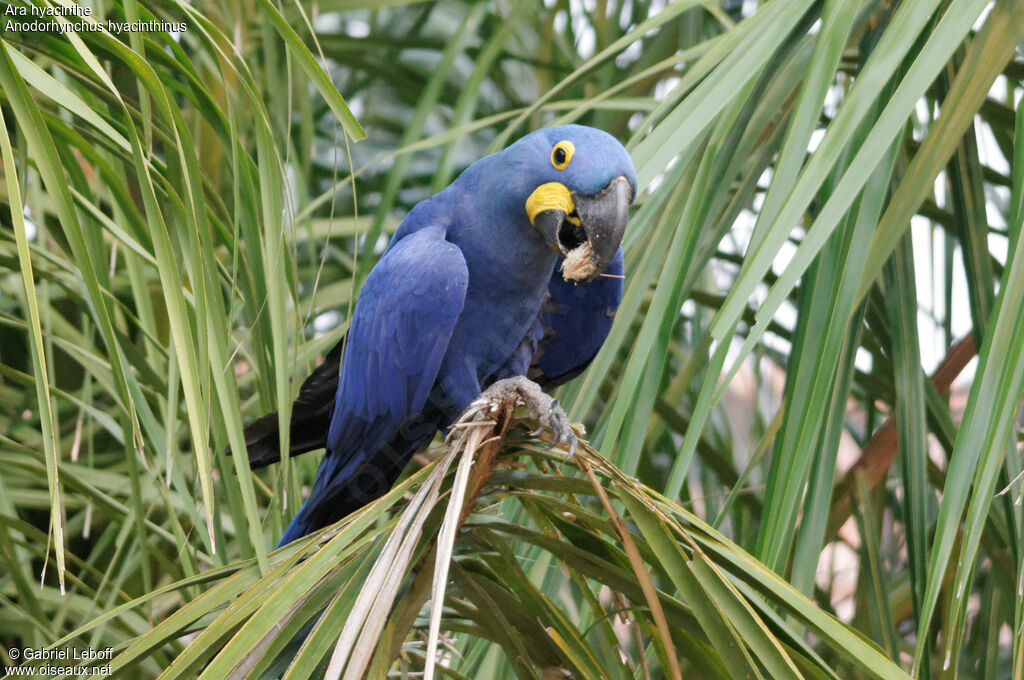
pixel 403 321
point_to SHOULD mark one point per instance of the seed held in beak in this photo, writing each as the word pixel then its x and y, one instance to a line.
pixel 585 229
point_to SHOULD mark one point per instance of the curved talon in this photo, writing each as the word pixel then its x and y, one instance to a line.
pixel 546 410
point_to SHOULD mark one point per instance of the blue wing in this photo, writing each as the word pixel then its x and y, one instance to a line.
pixel 575 321
pixel 403 321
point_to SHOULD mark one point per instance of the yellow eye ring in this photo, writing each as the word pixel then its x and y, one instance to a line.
pixel 562 154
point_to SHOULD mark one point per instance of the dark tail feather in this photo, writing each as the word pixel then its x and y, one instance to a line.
pixel 343 486
pixel 296 529
pixel 362 481
pixel 309 433
pixel 311 417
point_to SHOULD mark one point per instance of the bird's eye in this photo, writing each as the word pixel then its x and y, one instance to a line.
pixel 562 154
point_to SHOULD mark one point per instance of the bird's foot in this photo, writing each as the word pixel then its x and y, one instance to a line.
pixel 543 408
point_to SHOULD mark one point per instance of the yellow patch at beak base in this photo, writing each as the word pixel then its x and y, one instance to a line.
pixel 550 196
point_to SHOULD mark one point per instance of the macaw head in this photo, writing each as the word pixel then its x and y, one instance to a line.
pixel 580 184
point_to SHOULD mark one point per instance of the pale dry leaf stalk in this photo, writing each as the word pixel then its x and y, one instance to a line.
pixel 366 610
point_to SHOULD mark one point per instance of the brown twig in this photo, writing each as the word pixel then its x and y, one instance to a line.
pixel 882 449
pixel 643 576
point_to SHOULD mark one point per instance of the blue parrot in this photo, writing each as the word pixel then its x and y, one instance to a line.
pixel 468 296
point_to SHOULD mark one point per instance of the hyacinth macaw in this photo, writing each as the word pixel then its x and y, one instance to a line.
pixel 468 295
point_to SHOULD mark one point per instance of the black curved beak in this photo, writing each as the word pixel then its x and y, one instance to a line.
pixel 589 235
